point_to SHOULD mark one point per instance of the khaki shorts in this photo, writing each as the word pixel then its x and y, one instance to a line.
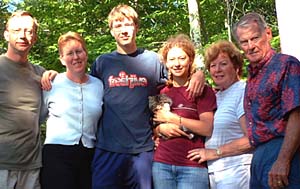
pixel 25 179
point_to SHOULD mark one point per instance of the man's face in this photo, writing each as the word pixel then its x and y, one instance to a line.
pixel 20 34
pixel 124 31
pixel 255 43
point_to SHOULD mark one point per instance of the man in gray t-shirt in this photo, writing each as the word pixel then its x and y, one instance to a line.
pixel 20 101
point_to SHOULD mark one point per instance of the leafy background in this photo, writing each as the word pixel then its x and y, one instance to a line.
pixel 159 20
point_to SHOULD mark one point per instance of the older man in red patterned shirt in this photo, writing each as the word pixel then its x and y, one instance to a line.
pixel 272 100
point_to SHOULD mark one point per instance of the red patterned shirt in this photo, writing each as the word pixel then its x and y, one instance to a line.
pixel 272 91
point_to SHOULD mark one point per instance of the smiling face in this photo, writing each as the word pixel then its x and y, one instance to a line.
pixel 254 42
pixel 20 34
pixel 178 63
pixel 223 72
pixel 124 31
pixel 74 57
pixel 123 24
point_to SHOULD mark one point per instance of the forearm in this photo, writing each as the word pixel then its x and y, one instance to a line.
pixel 196 84
pixel 240 145
pixel 200 127
pixel 236 147
pixel 291 140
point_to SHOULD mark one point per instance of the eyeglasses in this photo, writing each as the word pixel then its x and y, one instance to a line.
pixel 78 52
pixel 27 32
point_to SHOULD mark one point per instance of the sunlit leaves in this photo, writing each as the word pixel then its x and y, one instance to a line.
pixel 159 20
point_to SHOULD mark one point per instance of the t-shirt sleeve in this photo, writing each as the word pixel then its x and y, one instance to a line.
pixel 240 111
pixel 97 67
pixel 207 101
pixel 39 70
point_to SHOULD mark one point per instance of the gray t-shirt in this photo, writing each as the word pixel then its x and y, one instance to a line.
pixel 20 101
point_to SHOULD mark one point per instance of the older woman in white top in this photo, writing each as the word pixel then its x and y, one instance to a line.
pixel 227 151
pixel 74 106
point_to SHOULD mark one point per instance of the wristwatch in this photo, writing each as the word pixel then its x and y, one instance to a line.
pixel 219 152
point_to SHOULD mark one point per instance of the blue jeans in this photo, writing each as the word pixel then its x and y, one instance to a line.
pixel 167 176
pixel 264 157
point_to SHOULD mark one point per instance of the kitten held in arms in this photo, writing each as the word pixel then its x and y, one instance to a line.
pixel 162 101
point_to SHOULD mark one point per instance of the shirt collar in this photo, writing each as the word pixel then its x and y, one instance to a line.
pixel 253 70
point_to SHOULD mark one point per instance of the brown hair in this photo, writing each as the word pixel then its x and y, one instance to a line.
pixel 223 46
pixel 63 39
pixel 181 41
pixel 120 12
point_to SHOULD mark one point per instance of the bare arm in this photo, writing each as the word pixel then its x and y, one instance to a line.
pixel 196 84
pixel 281 167
pixel 47 77
pixel 235 147
pixel 201 127
pixel 170 130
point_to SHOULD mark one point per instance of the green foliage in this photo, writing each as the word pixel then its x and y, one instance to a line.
pixel 159 20
pixel 3 18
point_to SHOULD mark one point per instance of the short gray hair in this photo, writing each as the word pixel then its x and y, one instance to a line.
pixel 248 19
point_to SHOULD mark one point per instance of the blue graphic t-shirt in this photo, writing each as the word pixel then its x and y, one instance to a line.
pixel 128 81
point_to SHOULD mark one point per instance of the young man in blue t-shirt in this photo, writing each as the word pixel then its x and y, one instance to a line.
pixel 123 156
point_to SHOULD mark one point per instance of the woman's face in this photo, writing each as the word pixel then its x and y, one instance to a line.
pixel 74 57
pixel 223 72
pixel 178 62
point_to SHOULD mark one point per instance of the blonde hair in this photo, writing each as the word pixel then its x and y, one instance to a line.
pixel 121 12
pixel 223 46
pixel 21 13
pixel 63 39
pixel 181 41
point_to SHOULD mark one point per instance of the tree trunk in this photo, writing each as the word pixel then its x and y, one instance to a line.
pixel 195 32
pixel 195 29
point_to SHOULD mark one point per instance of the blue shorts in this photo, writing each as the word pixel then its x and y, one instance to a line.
pixel 122 171
pixel 264 157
